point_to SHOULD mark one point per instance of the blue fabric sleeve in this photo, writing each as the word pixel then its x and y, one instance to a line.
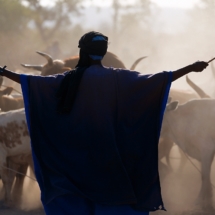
pixel 25 90
pixel 165 98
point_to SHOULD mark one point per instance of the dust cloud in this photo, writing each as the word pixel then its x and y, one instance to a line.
pixel 181 186
pixel 190 36
pixel 31 195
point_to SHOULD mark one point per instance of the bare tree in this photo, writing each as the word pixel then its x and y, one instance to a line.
pixel 13 16
pixel 128 14
pixel 49 20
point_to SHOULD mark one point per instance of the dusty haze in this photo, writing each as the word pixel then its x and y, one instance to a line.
pixel 172 38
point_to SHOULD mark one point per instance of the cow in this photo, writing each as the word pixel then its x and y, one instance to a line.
pixel 1 80
pixel 14 147
pixel 213 69
pixel 182 96
pixel 165 144
pixel 196 88
pixel 7 102
pixel 18 166
pixel 60 66
pixel 191 127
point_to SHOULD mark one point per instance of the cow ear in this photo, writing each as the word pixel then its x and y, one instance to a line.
pixel 172 106
pixel 169 99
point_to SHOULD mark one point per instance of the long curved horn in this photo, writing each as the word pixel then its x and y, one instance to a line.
pixel 213 69
pixel 47 57
pixel 199 91
pixel 34 67
pixel 136 62
pixel 1 80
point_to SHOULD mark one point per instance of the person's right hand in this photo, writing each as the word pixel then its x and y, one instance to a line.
pixel 198 66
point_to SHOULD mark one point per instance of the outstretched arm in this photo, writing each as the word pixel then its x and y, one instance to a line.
pixel 198 66
pixel 9 74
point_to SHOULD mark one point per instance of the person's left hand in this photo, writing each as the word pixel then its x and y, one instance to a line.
pixel 198 66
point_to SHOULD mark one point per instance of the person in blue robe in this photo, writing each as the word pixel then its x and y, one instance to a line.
pixel 94 134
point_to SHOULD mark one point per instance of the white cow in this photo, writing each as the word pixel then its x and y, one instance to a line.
pixel 192 127
pixel 14 147
pixel 183 96
pixel 165 144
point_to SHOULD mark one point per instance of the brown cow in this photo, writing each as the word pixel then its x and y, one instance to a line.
pixel 60 66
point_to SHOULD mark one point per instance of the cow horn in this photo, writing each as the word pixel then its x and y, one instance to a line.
pixel 213 69
pixel 136 62
pixel 199 91
pixel 1 80
pixel 34 67
pixel 7 91
pixel 48 57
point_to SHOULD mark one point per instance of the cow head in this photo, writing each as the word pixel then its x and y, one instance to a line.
pixel 171 106
pixel 50 68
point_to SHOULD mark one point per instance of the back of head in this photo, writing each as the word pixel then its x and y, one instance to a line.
pixel 93 45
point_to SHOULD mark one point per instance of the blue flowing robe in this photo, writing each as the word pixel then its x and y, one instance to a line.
pixel 106 149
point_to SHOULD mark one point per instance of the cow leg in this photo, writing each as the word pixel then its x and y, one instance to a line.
pixel 7 180
pixel 183 160
pixel 205 195
pixel 165 146
pixel 31 163
pixel 19 182
pixel 32 176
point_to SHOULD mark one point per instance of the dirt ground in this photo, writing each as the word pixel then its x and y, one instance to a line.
pixel 21 212
pixel 179 189
pixel 30 201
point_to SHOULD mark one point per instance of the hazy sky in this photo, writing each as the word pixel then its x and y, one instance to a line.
pixel 186 4
pixel 176 3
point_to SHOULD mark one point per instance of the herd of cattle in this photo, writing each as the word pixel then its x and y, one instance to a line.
pixel 188 121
